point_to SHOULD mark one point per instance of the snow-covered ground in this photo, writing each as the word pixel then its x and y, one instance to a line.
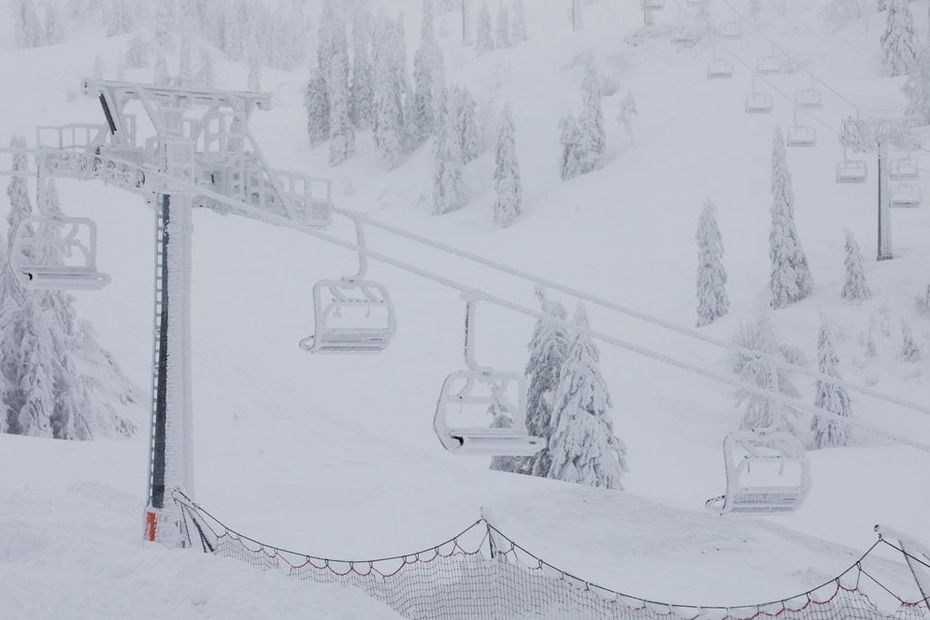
pixel 336 455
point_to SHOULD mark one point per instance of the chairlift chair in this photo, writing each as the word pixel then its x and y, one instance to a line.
pixel 719 68
pixel 698 2
pixel 683 36
pixel 56 252
pixel 809 98
pixel 730 30
pixel 905 195
pixel 654 5
pixel 851 170
pixel 774 63
pixel 758 102
pixel 352 314
pixel 767 472
pixel 905 168
pixel 470 393
pixel 800 135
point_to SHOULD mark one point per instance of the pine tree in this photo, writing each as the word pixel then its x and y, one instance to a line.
pixel 165 23
pixel 923 303
pixel 790 278
pixel 316 103
pixel 583 446
pixel 856 288
pixel 27 28
pixel 428 81
pixel 206 75
pixel 899 43
pixel 917 89
pixel 484 42
pixel 548 351
pixel 568 129
pixel 54 30
pixel 99 68
pixel 363 94
pixel 18 189
pixel 449 191
pixel 762 412
pixel 233 44
pixel 507 184
pixel 185 77
pixel 466 121
pixel 342 138
pixel 137 53
pixel 501 418
pixel 592 140
pixel 6 306
pixel 160 76
pixel 829 431
pixel 910 350
pixel 120 18
pixel 504 38
pixel 519 22
pixel 713 302
pixel 35 376
pixel 389 122
pixel 628 112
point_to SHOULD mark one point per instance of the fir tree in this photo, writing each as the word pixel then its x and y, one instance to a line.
pixel 466 121
pixel 592 140
pixel 316 103
pixel 484 42
pixel 790 278
pixel 504 38
pixel 917 89
pixel 829 431
pixel 519 22
pixel 99 68
pixel 501 418
pixel 165 23
pixel 507 184
pixel 160 76
pixel 389 122
pixel 713 302
pixel 548 351
pixel 449 192
pixel 910 351
pixel 18 190
pixel 254 82
pixel 54 30
pixel 363 94
pixel 628 112
pixel 754 366
pixel 583 446
pixel 185 77
pixel 233 44
pixel 120 18
pixel 568 129
pixel 35 376
pixel 899 43
pixel 855 289
pixel 27 28
pixel 137 53
pixel 923 303
pixel 342 139
pixel 206 75
pixel 428 81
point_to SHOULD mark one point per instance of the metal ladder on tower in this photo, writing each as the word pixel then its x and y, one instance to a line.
pixel 158 370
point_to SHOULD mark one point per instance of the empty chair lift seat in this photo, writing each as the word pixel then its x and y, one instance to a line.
pixel 683 36
pixel 905 168
pixel 905 195
pixel 719 68
pixel 770 64
pixel 759 103
pixel 72 262
pixel 852 171
pixel 801 135
pixel 809 98
pixel 352 316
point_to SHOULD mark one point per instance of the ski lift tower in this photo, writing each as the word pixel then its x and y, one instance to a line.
pixel 877 136
pixel 200 152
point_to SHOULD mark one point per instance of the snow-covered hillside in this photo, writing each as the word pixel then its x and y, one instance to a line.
pixel 336 455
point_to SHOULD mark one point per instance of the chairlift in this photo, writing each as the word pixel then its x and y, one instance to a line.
pixel 470 394
pixel 758 102
pixel 718 68
pixel 352 314
pixel 730 30
pixel 767 472
pixel 905 168
pixel 851 170
pixel 683 36
pixel 809 98
pixel 698 2
pixel 56 252
pixel 800 135
pixel 774 63
pixel 654 5
pixel 905 195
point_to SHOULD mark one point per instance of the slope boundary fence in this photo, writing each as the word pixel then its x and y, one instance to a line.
pixel 482 573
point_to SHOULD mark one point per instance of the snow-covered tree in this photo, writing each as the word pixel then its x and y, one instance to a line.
pixel 160 76
pixel 137 53
pixel 27 28
pixel 628 112
pixel 342 131
pixel 362 87
pixel 35 376
pixel 99 68
pixel 519 22
pixel 185 76
pixel 428 82
pixel 449 191
pixel 206 74
pixel 899 43
pixel 390 86
pixel 120 18
pixel 592 139
pixel 829 431
pixel 910 350
pixel 466 121
pixel 484 40
pixel 316 103
pixel 712 299
pixel 789 277
pixel 18 189
pixel 254 82
pixel 508 204
pixel 583 447
pixel 54 30
pixel 568 128
pixel 856 288
pixel 923 303
pixel 501 418
pixel 548 349
pixel 917 89
pixel 166 22
pixel 504 37
pixel 754 366
pixel 234 41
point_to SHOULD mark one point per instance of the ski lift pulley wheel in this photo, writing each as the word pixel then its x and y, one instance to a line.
pixel 56 253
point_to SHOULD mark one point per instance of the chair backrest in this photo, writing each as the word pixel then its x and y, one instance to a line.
pixel 56 252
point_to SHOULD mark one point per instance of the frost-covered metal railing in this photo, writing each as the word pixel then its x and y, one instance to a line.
pixel 81 136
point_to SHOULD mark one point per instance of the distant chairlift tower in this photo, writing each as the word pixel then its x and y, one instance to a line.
pixel 200 146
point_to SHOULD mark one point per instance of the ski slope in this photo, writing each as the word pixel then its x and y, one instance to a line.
pixel 336 456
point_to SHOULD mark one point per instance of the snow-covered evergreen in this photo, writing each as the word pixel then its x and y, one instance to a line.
pixel 898 42
pixel 855 288
pixel 363 94
pixel 923 302
pixel 592 140
pixel 917 88
pixel 484 40
pixel 316 104
pixel 449 191
pixel 137 53
pixel 342 130
pixel 627 113
pixel 27 28
pixel 910 350
pixel 428 82
pixel 254 82
pixel 504 36
pixel 548 349
pixel 568 130
pixel 99 68
pixel 712 299
pixel 121 18
pixel 185 76
pixel 501 418
pixel 160 75
pixel 166 22
pixel 789 275
pixel 583 447
pixel 508 205
pixel 54 29
pixel 829 432
pixel 390 86
pixel 757 338
pixel 519 22
pixel 466 119
pixel 206 74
